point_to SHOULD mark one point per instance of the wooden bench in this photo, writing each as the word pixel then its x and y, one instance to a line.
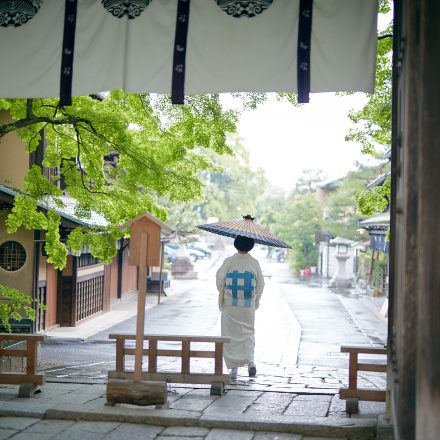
pixel 353 394
pixel 29 381
pixel 217 379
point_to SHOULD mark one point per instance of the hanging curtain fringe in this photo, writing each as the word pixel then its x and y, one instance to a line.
pixel 68 52
pixel 151 52
pixel 303 54
pixel 179 57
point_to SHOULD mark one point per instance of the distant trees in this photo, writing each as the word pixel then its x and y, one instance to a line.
pixel 298 224
pixel 298 219
pixel 308 180
pixel 341 213
pixel 232 188
pixel 295 218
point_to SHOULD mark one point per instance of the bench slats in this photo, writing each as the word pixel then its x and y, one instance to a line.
pixel 183 352
pixel 19 337
pixel 378 368
pixel 18 379
pixel 363 350
pixel 173 377
pixel 172 353
pixel 10 352
pixel 173 338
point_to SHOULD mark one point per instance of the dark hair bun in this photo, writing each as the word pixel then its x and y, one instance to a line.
pixel 243 244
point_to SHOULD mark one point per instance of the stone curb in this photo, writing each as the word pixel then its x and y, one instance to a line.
pixel 161 417
pixel 351 429
pixel 25 409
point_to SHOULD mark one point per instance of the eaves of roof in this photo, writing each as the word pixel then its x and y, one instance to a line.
pixel 69 219
pixel 379 181
pixel 380 221
pixel 66 212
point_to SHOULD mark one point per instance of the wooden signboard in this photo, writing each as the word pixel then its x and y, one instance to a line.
pixel 145 250
pixel 152 229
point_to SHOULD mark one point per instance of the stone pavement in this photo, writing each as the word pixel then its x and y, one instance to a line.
pixel 78 411
pixel 284 401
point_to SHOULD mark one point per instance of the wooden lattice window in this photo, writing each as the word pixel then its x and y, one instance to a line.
pixel 12 256
pixel 90 297
pixel 85 260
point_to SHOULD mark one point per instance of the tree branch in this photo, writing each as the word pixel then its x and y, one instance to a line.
pixel 382 37
pixel 31 119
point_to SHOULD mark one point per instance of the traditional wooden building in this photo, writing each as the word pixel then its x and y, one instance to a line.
pixel 84 288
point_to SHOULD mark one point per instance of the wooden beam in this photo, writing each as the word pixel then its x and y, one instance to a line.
pixel 185 357
pixel 19 337
pixel 218 358
pixel 352 371
pixel 12 353
pixel 120 355
pixel 172 353
pixel 31 358
pixel 365 350
pixel 173 377
pixel 140 322
pixel 427 328
pixel 378 368
pixel 152 357
pixel 18 379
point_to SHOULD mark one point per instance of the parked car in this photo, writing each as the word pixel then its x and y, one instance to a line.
pixel 169 252
pixel 198 247
pixel 195 255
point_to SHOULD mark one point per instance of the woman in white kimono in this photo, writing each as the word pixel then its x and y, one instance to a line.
pixel 240 284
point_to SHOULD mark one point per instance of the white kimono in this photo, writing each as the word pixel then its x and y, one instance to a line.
pixel 240 284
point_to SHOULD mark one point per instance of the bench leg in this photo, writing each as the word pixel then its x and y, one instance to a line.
pixel 352 405
pixel 217 388
pixel 28 389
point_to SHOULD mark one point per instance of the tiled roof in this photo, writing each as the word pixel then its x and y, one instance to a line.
pixel 67 211
pixel 377 220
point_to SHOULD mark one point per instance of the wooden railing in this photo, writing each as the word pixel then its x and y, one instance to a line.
pixel 29 380
pixel 217 379
pixel 353 394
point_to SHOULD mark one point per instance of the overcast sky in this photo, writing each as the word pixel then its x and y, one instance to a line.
pixel 284 140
